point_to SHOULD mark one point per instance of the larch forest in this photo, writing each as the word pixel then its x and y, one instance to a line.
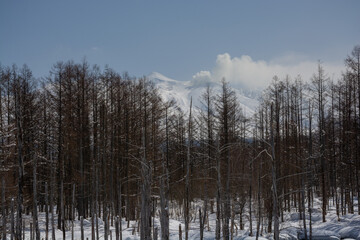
pixel 90 144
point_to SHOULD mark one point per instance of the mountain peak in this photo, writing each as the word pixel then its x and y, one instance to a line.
pixel 182 91
pixel 158 76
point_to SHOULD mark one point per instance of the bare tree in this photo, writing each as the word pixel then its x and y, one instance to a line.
pixel 319 89
pixel 187 178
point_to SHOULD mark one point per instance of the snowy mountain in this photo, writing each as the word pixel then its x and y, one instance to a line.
pixel 182 91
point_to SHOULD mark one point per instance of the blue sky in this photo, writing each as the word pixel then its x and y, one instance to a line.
pixel 175 38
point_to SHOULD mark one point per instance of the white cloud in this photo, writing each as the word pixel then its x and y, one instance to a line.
pixel 250 74
pixel 202 77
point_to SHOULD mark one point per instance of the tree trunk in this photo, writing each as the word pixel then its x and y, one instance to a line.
pixel 73 212
pixel 46 211
pixel 19 136
pixel 164 215
pixel 3 201
pixel 12 227
pixel 35 212
pixel 145 220
pixel 218 199
pixel 82 228
pixel 52 199
pixel 187 180
pixel 274 179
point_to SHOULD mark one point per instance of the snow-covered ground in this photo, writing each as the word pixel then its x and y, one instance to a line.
pixel 347 228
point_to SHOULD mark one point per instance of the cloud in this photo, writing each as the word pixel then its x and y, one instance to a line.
pixel 202 77
pixel 249 74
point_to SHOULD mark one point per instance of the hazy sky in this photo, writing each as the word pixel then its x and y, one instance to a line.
pixel 180 39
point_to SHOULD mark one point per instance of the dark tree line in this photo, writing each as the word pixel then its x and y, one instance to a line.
pixel 85 143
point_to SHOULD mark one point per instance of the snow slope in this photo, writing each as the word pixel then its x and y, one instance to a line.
pixel 182 91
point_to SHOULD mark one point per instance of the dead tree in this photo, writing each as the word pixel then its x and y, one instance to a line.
pixel 19 136
pixel 274 180
pixel 145 220
pixel 187 179
pixel 318 88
